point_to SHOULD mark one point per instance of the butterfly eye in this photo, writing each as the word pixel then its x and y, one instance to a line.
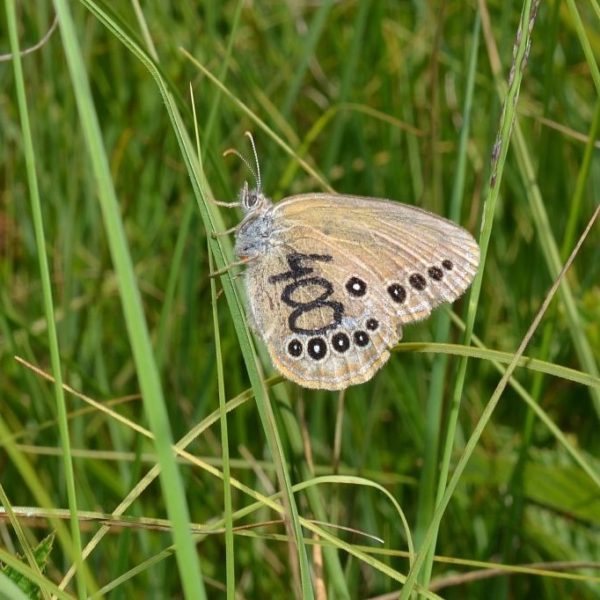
pixel 251 199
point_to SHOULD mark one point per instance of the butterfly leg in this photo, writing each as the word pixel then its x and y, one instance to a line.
pixel 225 204
pixel 237 263
pixel 229 231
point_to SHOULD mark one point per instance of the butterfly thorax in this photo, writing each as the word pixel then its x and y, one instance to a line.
pixel 254 232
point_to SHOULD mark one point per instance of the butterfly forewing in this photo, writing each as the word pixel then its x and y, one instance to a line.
pixel 417 260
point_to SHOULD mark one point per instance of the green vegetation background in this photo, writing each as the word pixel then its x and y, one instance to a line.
pixel 370 98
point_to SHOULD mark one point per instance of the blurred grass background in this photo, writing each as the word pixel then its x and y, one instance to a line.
pixel 373 96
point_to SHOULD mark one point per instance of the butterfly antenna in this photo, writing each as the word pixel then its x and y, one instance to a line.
pixel 257 176
pixel 233 151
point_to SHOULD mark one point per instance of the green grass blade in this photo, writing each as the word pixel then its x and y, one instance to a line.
pixel 150 384
pixel 439 370
pixel 40 237
pixel 499 154
pixel 229 546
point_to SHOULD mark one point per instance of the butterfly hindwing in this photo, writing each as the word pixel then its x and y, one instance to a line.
pixel 322 329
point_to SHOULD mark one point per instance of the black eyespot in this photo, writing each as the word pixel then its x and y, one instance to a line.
pixel 356 287
pixel 397 292
pixel 435 273
pixel 447 264
pixel 317 348
pixel 361 338
pixel 417 281
pixel 295 348
pixel 340 342
pixel 372 324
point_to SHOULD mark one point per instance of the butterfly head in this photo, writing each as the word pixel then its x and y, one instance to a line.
pixel 253 201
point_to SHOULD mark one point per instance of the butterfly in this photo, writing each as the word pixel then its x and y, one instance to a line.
pixel 332 279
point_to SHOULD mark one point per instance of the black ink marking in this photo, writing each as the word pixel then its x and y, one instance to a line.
pixel 317 348
pixel 322 290
pixel 295 348
pixel 297 270
pixel 356 287
pixel 372 324
pixel 340 342
pixel 417 281
pixel 447 264
pixel 300 308
pixel 435 273
pixel 361 338
pixel 397 292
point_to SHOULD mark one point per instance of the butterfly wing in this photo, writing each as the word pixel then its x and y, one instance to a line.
pixel 417 259
pixel 340 275
pixel 315 335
